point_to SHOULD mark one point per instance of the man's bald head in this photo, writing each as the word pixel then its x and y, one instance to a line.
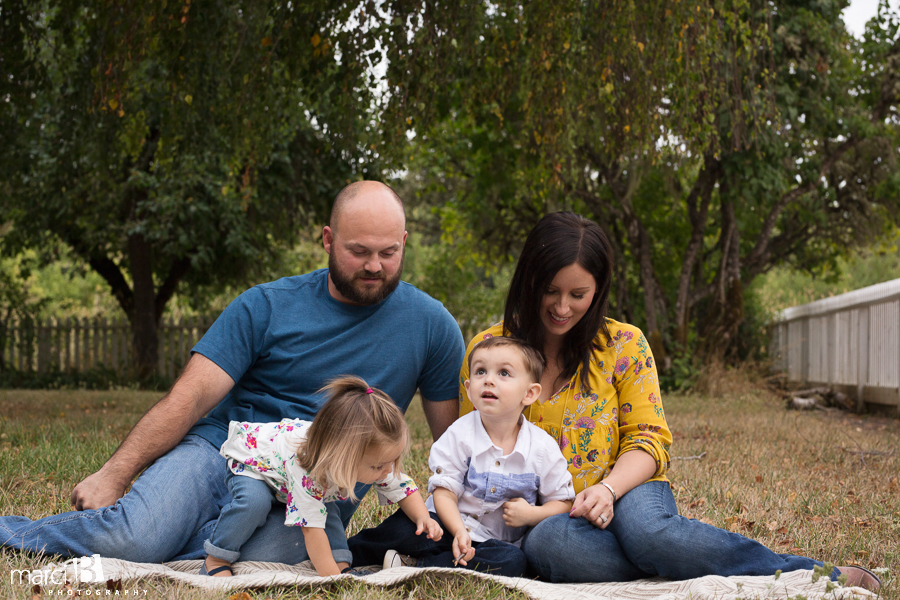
pixel 373 192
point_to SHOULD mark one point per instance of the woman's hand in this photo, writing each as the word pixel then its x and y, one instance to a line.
pixel 430 527
pixel 595 504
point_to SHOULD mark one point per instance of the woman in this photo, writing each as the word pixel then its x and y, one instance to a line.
pixel 600 400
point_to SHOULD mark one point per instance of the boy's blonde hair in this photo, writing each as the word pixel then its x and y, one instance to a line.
pixel 355 419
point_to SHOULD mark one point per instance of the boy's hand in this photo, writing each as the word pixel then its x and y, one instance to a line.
pixel 431 527
pixel 462 545
pixel 517 513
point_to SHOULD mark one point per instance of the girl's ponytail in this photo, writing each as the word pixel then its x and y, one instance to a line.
pixel 355 418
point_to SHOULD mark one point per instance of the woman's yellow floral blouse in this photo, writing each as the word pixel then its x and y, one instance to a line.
pixel 622 412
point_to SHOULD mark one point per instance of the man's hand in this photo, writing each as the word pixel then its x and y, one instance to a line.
pixel 96 491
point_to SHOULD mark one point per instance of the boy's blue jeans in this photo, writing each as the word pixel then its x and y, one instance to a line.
pixel 398 532
pixel 168 513
pixel 647 537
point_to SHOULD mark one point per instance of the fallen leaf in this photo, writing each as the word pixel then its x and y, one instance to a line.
pixel 36 592
pixel 759 479
pixel 240 596
pixel 772 526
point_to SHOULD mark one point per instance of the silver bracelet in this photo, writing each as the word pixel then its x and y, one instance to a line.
pixel 611 491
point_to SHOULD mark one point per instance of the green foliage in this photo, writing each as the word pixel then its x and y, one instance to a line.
pixel 681 375
pixel 710 147
pixel 168 142
pixel 784 287
pixel 455 272
pixel 99 378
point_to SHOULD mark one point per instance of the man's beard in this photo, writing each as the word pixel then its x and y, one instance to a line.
pixel 355 292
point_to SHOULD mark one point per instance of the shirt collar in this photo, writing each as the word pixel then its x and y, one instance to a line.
pixel 483 443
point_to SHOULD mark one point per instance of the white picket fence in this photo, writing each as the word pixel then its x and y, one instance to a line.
pixel 850 342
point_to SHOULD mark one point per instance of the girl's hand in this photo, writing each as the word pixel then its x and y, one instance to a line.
pixel 517 513
pixel 431 527
pixel 594 504
pixel 462 545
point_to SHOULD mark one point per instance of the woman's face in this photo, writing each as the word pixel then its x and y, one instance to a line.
pixel 566 300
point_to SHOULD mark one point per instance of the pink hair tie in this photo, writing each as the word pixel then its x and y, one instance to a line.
pixel 369 391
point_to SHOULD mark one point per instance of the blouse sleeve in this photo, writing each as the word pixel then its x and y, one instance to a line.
pixel 642 422
pixel 394 488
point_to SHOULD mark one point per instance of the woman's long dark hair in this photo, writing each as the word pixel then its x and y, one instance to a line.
pixel 557 241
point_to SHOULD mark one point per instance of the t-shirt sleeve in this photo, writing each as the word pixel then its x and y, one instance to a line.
pixel 237 337
pixel 394 488
pixel 437 381
pixel 642 421
pixel 556 481
pixel 447 461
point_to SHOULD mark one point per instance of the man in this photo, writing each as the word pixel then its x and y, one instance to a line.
pixel 264 359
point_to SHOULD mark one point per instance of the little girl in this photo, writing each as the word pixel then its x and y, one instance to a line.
pixel 359 435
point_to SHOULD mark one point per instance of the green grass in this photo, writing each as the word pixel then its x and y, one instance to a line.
pixel 784 478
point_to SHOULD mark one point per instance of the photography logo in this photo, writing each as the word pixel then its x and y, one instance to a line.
pixel 87 569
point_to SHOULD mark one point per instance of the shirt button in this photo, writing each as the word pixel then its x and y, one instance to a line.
pixel 438 471
pixel 467 529
pixel 493 490
pixel 496 463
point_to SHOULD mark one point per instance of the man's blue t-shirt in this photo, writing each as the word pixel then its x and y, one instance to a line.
pixel 282 341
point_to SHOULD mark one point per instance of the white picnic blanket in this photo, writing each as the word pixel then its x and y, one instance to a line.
pixel 261 575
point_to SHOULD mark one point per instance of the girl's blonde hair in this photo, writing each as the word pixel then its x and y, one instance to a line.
pixel 355 419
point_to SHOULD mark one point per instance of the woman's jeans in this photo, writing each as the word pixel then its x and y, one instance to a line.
pixel 168 513
pixel 398 532
pixel 646 538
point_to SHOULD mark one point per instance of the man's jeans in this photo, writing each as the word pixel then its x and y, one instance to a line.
pixel 648 538
pixel 168 513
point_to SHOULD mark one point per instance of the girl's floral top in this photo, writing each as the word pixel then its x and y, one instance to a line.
pixel 268 452
pixel 622 412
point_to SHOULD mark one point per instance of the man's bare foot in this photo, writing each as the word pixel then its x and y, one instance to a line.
pixel 216 567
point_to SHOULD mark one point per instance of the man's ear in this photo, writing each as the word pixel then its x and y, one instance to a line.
pixel 531 394
pixel 327 238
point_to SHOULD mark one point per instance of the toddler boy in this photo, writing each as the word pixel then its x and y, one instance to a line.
pixel 490 470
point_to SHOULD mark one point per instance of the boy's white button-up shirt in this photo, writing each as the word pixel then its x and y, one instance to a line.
pixel 466 462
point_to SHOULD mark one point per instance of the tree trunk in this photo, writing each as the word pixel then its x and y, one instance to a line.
pixel 728 304
pixel 144 323
pixel 698 209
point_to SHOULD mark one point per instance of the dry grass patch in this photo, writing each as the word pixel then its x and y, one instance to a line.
pixel 785 478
